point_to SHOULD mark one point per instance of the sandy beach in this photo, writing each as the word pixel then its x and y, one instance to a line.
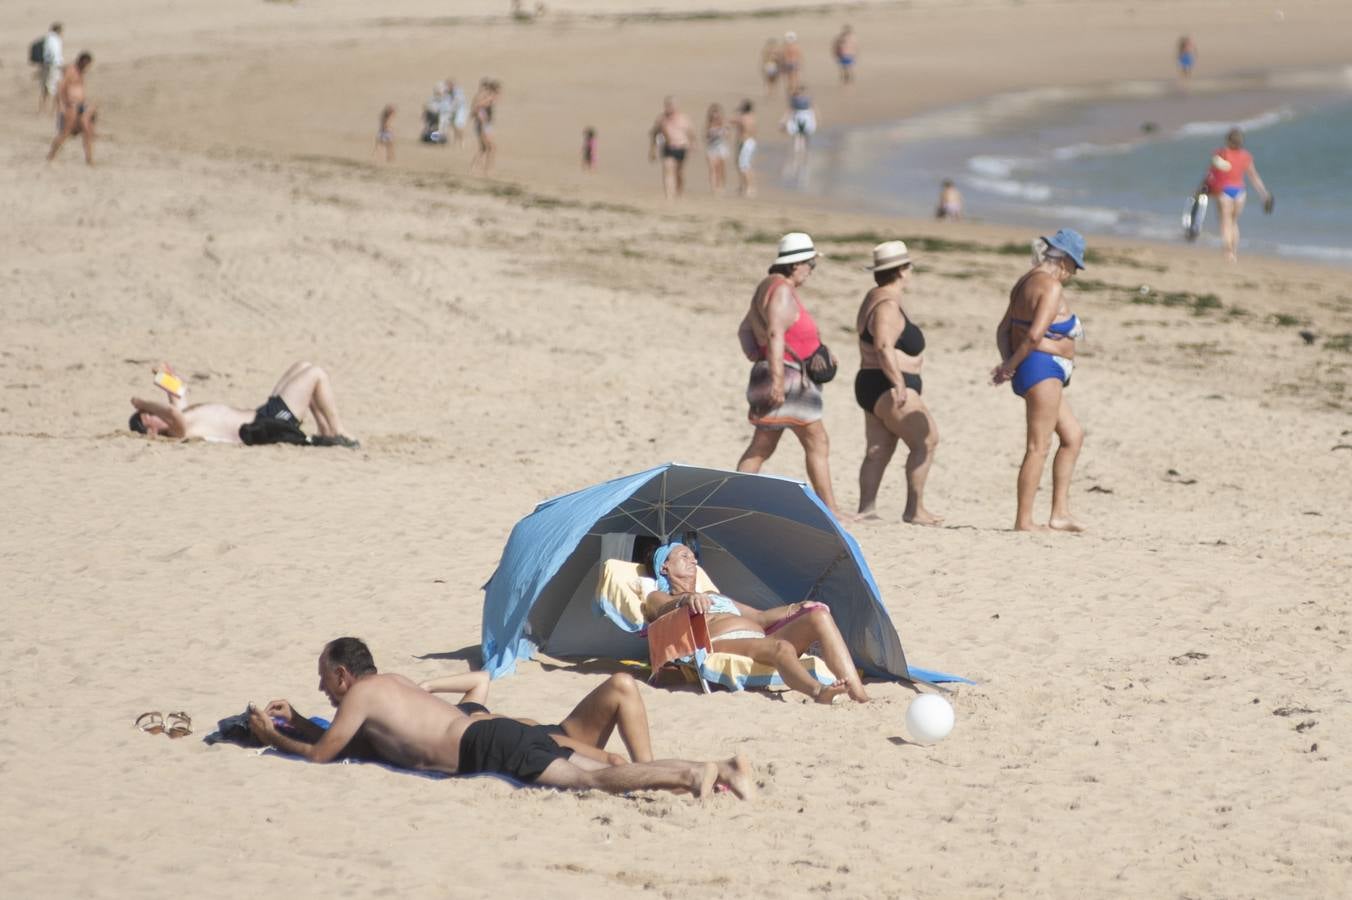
pixel 1161 703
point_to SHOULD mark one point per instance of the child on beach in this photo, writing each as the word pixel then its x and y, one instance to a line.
pixel 384 136
pixel 950 201
pixel 589 150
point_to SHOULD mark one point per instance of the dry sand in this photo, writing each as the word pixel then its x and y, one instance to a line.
pixel 494 343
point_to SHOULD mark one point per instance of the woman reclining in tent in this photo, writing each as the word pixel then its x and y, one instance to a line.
pixel 737 628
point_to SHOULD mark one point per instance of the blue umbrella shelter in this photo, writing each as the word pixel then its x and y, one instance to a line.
pixel 764 540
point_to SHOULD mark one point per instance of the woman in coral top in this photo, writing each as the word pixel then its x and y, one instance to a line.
pixel 1225 183
pixel 779 336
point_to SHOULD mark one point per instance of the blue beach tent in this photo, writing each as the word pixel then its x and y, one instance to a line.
pixel 764 540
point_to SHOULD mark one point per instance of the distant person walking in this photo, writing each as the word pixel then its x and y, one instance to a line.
pixel 1187 56
pixel 716 147
pixel 844 49
pixel 888 387
pixel 1225 182
pixel 791 62
pixel 744 127
pixel 385 135
pixel 789 359
pixel 457 111
pixel 74 113
pixel 589 150
pixel 769 64
pixel 671 136
pixel 481 111
pixel 1036 338
pixel 52 65
pixel 800 121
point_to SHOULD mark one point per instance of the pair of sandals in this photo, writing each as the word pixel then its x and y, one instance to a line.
pixel 176 724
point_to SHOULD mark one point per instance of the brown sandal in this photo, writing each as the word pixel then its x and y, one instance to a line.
pixel 178 724
pixel 150 723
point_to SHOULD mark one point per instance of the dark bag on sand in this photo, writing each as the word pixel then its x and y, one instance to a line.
pixel 37 51
pixel 819 366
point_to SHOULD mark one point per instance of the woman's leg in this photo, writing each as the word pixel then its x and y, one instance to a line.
pixel 1043 404
pixel 817 627
pixel 1071 437
pixel 879 445
pixel 783 658
pixel 916 427
pixel 615 704
pixel 762 447
pixel 1228 214
pixel 817 450
pixel 292 371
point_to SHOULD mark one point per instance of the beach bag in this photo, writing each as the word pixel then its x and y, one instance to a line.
pixel 818 365
pixel 36 51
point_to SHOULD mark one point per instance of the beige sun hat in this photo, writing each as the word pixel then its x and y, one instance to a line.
pixel 795 247
pixel 889 255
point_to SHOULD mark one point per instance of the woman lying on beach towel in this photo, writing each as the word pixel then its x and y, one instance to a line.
pixel 775 637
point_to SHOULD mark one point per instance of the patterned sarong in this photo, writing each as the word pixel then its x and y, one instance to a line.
pixel 802 398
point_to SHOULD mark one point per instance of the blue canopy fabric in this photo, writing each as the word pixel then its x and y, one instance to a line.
pixel 765 540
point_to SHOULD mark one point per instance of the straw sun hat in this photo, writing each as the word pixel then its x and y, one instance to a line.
pixel 889 255
pixel 795 247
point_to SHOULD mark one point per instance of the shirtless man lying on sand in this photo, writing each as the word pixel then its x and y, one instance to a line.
pixel 407 726
pixel 301 387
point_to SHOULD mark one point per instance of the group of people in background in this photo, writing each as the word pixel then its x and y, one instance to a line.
pixel 1035 337
pixel 66 88
pixel 447 115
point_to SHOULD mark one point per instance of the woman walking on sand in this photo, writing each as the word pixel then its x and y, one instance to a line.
pixel 888 386
pixel 1036 337
pixel 779 336
pixel 481 110
pixel 1225 183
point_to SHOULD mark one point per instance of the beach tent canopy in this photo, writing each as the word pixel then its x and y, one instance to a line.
pixel 764 540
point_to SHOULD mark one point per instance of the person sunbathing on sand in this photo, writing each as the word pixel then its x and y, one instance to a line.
pixel 737 628
pixel 614 706
pixel 302 387
pixel 407 726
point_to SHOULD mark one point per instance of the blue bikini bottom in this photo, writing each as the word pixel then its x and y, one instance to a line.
pixel 1039 366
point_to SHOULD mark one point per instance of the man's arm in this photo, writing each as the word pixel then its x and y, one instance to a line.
pixel 281 709
pixel 178 426
pixel 351 715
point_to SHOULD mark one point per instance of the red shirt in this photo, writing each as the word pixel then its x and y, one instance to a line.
pixel 1240 162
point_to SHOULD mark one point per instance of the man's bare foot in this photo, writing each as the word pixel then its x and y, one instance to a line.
pixel 867 515
pixel 739 775
pixel 702 780
pixel 1030 526
pixel 923 517
pixel 830 692
pixel 1064 523
pixel 844 518
pixel 857 692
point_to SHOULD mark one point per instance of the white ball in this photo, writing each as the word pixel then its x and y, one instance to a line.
pixel 929 719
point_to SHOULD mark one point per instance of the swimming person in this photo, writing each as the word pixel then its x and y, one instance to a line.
pixel 1230 165
pixel 1036 338
pixel 774 637
pixel 408 727
pixel 302 388
pixel 673 133
pixel 780 338
pixel 888 387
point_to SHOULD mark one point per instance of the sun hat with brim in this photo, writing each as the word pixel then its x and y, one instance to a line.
pixel 795 247
pixel 889 255
pixel 1069 242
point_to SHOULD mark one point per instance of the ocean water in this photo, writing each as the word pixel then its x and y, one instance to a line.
pixel 1121 159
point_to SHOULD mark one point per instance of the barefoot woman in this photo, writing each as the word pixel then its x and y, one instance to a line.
pixel 1037 338
pixel 887 387
pixel 774 637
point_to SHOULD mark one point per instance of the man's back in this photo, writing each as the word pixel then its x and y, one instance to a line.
pixel 406 725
